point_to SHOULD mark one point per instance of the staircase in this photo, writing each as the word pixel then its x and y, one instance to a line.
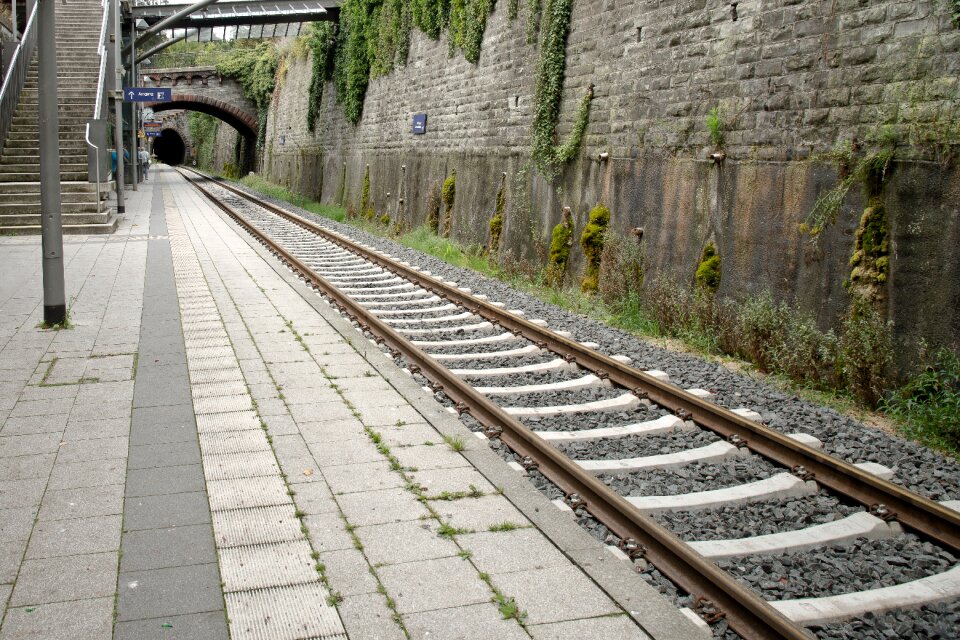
pixel 78 31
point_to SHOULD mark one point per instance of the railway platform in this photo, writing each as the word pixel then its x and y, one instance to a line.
pixel 209 450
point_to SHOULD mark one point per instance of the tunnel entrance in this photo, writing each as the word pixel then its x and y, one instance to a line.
pixel 169 148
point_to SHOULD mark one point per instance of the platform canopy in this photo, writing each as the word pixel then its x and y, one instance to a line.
pixel 250 18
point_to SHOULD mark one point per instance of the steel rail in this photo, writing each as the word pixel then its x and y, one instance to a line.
pixel 747 613
pixel 886 499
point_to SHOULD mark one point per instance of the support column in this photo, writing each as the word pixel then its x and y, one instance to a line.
pixel 134 159
pixel 115 87
pixel 51 223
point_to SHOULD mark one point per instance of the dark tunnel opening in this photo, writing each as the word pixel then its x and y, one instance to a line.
pixel 169 148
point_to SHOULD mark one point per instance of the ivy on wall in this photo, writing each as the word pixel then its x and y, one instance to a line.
pixel 321 38
pixel 548 156
pixel 203 131
pixel 374 39
pixel 255 68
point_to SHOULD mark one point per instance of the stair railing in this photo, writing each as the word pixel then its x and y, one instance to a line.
pixel 16 75
pixel 101 80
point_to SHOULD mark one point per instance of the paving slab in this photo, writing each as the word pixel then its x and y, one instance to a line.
pixel 478 514
pixel 608 627
pixel 434 584
pixel 52 538
pixel 89 619
pixel 508 551
pixel 420 541
pixel 167 592
pixel 66 578
pixel 367 616
pixel 554 594
pixel 196 626
pixel 474 622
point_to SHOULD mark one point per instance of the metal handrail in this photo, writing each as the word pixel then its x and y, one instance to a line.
pixel 101 80
pixel 16 75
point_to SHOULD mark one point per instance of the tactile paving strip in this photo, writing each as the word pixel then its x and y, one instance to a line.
pixel 273 591
pixel 259 525
pixel 284 613
pixel 266 565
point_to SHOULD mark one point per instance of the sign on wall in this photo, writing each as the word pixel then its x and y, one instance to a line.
pixel 145 94
pixel 419 124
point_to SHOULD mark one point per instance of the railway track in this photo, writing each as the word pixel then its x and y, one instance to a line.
pixel 599 434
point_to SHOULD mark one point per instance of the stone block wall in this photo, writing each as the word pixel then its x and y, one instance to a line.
pixel 790 79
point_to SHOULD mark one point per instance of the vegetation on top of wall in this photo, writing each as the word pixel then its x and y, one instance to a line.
pixel 591 241
pixel 374 39
pixel 255 69
pixel 548 156
pixel 321 38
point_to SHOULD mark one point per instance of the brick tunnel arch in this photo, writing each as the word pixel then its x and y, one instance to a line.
pixel 237 118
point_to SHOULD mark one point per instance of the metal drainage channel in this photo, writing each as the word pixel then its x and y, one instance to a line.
pixel 747 613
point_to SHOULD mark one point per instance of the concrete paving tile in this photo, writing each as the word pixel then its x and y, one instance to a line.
pixel 88 619
pixel 232 421
pixel 167 592
pixel 266 565
pixel 408 435
pixel 368 616
pixel 433 584
pixel 263 391
pixel 380 507
pixel 28 408
pixel 310 395
pixel 5 590
pixel 387 416
pixel 300 470
pixel 29 444
pixel 437 456
pixel 171 510
pixel 314 497
pixel 399 542
pixel 167 547
pixel 347 572
pixel 34 425
pixel 11 556
pixel 82 503
pixel 320 412
pixel 88 474
pixel 269 408
pixel 21 493
pixel 345 452
pixel 157 425
pixel 195 626
pixel 359 393
pixel 27 467
pixel 164 455
pixel 291 446
pixel 52 538
pixel 95 429
pixel 606 627
pixel 478 514
pixel 461 479
pixel 281 425
pixel 94 410
pixel 93 450
pixel 554 594
pixel 16 524
pixel 328 532
pixel 48 393
pixel 474 622
pixel 368 476
pixel 284 613
pixel 156 390
pixel 68 578
pixel 332 430
pixel 162 480
pixel 505 551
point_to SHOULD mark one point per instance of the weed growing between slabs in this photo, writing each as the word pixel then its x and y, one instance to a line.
pixel 847 369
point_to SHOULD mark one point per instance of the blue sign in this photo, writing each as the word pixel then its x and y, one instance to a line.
pixel 153 134
pixel 419 124
pixel 145 94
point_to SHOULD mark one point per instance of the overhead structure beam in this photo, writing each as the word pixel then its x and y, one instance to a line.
pixel 237 13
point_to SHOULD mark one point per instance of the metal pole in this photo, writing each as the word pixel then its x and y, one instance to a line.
pixel 115 66
pixel 163 45
pixel 166 23
pixel 13 14
pixel 51 224
pixel 134 121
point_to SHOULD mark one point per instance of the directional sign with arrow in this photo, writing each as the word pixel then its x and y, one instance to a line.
pixel 144 94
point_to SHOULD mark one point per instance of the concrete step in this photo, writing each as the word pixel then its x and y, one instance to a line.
pixel 109 225
pixel 35 177
pixel 73 191
pixel 71 214
pixel 30 167
pixel 30 202
pixel 32 147
pixel 65 159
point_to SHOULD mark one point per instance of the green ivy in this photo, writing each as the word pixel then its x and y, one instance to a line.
pixel 255 69
pixel 203 132
pixel 448 195
pixel 496 222
pixel 534 9
pixel 547 155
pixel 560 241
pixel 365 193
pixel 321 38
pixel 374 39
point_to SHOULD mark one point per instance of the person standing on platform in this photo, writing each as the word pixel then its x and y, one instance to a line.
pixel 144 157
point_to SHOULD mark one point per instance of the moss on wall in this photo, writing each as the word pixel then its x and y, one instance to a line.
pixel 708 271
pixel 448 195
pixel 496 222
pixel 591 241
pixel 560 242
